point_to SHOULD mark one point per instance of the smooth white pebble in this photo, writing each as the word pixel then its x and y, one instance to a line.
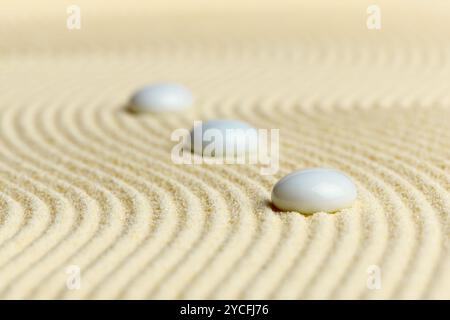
pixel 313 190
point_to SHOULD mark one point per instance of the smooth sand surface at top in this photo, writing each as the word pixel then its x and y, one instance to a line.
pixel 85 183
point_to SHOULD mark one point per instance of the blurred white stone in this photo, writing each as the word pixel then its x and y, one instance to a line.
pixel 162 97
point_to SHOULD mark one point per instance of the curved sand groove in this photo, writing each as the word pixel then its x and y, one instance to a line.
pixel 35 216
pixel 322 250
pixel 9 269
pixel 10 223
pixel 119 138
pixel 441 208
pixel 85 183
pixel 93 212
pixel 221 265
pixel 209 201
pixel 429 253
pixel 209 278
pixel 144 211
pixel 211 232
pixel 380 238
pixel 441 202
pixel 50 197
pixel 380 233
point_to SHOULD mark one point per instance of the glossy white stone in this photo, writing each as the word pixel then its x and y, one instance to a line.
pixel 313 190
pixel 161 97
pixel 222 137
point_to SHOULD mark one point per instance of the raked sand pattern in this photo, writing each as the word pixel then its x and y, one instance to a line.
pixel 85 183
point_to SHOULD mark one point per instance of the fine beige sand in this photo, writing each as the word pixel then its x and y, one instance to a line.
pixel 85 183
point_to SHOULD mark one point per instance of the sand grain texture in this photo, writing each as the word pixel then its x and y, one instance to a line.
pixel 85 183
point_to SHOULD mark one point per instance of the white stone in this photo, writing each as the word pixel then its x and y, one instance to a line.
pixel 313 190
pixel 220 138
pixel 161 97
